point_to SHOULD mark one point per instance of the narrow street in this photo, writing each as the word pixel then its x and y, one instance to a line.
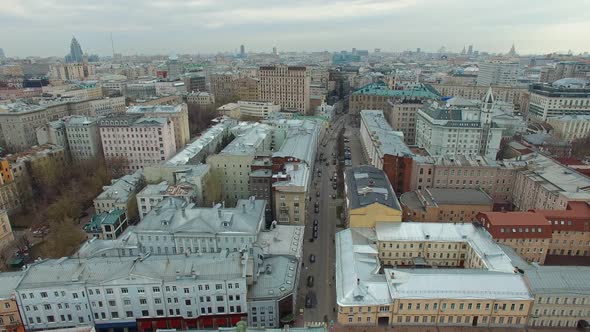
pixel 323 293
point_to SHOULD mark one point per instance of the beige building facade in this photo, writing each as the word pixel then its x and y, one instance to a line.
pixel 570 127
pixel 287 86
pixel 178 114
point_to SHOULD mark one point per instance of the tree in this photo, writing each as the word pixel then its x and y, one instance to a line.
pixel 117 166
pixel 62 240
pixel 200 116
pixel 212 188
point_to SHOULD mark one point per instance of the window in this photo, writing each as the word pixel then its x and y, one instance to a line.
pixel 109 291
pixel 124 290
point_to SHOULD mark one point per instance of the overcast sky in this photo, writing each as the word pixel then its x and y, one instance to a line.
pixel 45 27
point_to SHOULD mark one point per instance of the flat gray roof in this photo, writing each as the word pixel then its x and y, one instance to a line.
pixel 420 199
pixel 366 185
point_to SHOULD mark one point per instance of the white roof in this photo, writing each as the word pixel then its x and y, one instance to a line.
pixel 455 284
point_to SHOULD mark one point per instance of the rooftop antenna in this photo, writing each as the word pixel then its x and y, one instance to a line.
pixel 112 45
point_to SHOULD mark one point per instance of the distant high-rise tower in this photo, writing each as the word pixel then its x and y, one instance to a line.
pixel 512 51
pixel 470 50
pixel 418 50
pixel 2 56
pixel 463 52
pixel 274 51
pixel 76 54
pixel 242 51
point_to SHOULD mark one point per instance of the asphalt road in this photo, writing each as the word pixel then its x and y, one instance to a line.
pixel 322 248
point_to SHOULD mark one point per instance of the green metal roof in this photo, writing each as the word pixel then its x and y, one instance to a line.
pixel 105 218
pixel 381 89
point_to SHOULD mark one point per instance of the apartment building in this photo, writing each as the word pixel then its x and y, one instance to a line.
pixel 401 115
pixel 140 90
pixel 119 194
pixel 480 286
pixel 458 131
pixel 141 141
pixel 292 168
pixel 376 96
pixel 150 196
pixel 19 120
pixel 548 185
pixel 528 233
pixel 200 98
pixel 234 161
pixel 83 137
pixel 287 86
pixel 570 229
pixel 369 197
pixel 570 127
pixel 558 99
pixel 178 227
pixel 248 88
pixel 10 318
pixel 498 73
pixel 565 69
pixel 561 293
pixel 106 106
pixel 209 142
pixel 195 82
pixel 445 205
pixel 510 94
pixel 223 86
pixel 6 235
pixel 128 292
pixel 178 114
pixel 71 71
pixel 379 139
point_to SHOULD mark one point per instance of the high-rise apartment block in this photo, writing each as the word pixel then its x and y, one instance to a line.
pixel 141 141
pixel 497 73
pixel 288 86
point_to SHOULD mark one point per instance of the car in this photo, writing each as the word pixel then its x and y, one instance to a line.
pixel 333 196
pixel 310 281
pixel 327 163
pixel 308 301
pixel 316 210
pixel 333 161
pixel 315 222
pixel 312 258
pixel 315 228
pixel 315 234
pixel 317 194
pixel 334 186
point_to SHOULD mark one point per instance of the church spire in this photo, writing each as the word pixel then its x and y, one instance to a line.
pixel 512 51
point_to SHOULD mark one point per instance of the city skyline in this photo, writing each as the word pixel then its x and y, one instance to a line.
pixel 36 28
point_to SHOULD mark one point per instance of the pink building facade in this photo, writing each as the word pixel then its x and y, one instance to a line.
pixel 140 140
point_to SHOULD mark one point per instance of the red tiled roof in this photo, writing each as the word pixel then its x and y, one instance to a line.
pixel 516 218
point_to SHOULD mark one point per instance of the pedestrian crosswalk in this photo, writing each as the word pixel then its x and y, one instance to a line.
pixel 315 324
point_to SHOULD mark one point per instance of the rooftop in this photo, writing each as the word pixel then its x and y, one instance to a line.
pixel 8 283
pixel 168 216
pixel 557 178
pixel 154 109
pixel 458 284
pixel 431 197
pixel 249 139
pixel 117 270
pixel 210 135
pixel 276 278
pixel 381 89
pixel 121 189
pixel 516 218
pixel 300 141
pixel 389 141
pixel 366 185
pixel 105 218
pixel 478 238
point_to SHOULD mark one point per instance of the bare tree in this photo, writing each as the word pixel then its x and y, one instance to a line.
pixel 117 166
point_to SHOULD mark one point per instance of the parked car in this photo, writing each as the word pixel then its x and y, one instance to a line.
pixel 312 258
pixel 315 228
pixel 309 301
pixel 315 222
pixel 316 210
pixel 310 281
pixel 315 234
pixel 317 194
